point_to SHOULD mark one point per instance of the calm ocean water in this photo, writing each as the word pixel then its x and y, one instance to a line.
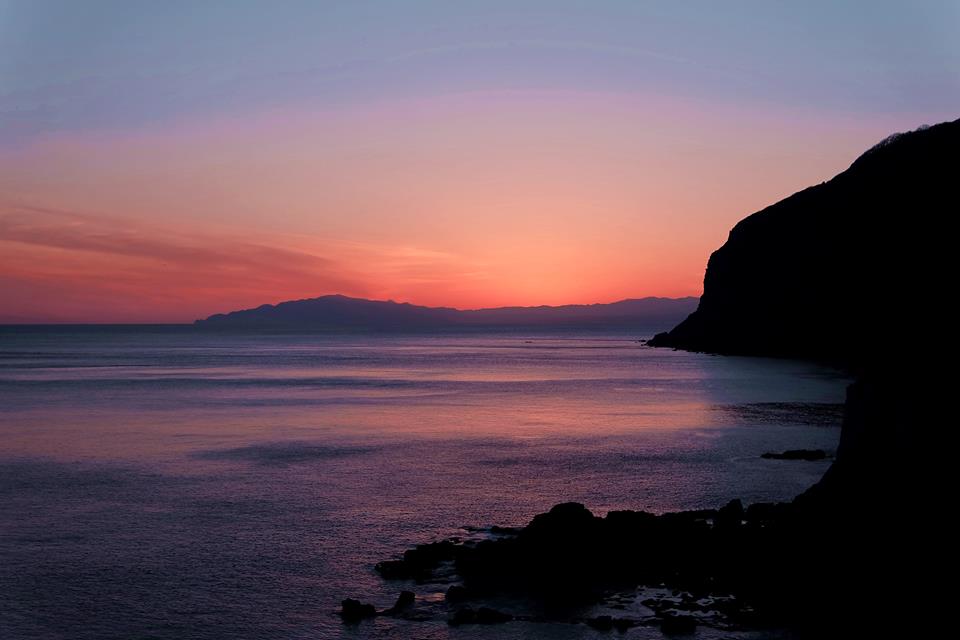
pixel 163 483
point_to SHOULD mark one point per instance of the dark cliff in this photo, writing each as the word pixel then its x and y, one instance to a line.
pixel 835 270
pixel 848 272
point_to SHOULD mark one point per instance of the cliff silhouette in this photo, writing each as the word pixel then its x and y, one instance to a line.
pixel 830 272
pixel 841 272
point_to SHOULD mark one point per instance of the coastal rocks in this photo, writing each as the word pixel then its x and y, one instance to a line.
pixel 569 557
pixel 809 455
pixel 569 516
pixel 418 563
pixel 457 593
pixel 504 531
pixel 609 623
pixel 675 625
pixel 760 514
pixel 483 615
pixel 730 515
pixel 354 611
pixel 394 570
pixel 404 602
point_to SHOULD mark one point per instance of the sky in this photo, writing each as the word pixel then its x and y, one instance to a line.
pixel 163 161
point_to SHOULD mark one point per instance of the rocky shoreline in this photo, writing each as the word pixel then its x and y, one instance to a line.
pixel 822 275
pixel 675 571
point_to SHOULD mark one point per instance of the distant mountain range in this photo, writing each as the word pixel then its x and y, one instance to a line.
pixel 339 313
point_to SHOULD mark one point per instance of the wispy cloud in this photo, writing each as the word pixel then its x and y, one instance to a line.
pixel 84 267
pixel 111 236
pixel 71 266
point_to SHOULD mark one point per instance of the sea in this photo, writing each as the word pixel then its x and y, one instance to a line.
pixel 166 483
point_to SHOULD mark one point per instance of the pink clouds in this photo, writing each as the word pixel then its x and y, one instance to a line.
pixel 70 267
pixel 90 268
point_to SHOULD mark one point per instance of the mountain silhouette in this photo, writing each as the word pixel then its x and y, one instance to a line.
pixel 337 312
pixel 830 272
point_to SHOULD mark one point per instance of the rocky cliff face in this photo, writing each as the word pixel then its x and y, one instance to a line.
pixel 855 271
pixel 835 271
pixel 852 271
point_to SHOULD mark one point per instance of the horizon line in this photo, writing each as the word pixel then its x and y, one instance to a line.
pixel 79 323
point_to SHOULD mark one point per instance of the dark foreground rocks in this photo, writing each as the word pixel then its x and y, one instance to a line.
pixel 483 615
pixel 785 565
pixel 846 559
pixel 608 623
pixel 678 625
pixel 417 563
pixel 404 602
pixel 568 558
pixel 568 554
pixel 354 611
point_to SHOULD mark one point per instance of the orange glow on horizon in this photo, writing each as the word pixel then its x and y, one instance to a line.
pixel 66 267
pixel 471 200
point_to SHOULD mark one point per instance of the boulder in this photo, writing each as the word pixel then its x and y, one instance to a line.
pixel 353 610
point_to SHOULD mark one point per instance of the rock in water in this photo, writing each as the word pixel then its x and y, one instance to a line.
pixel 353 610
pixel 405 599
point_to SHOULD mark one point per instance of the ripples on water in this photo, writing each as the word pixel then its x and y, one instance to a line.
pixel 163 483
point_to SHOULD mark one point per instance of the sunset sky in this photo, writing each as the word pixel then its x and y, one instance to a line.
pixel 162 161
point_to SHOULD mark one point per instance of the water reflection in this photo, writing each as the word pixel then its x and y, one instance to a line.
pixel 239 486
